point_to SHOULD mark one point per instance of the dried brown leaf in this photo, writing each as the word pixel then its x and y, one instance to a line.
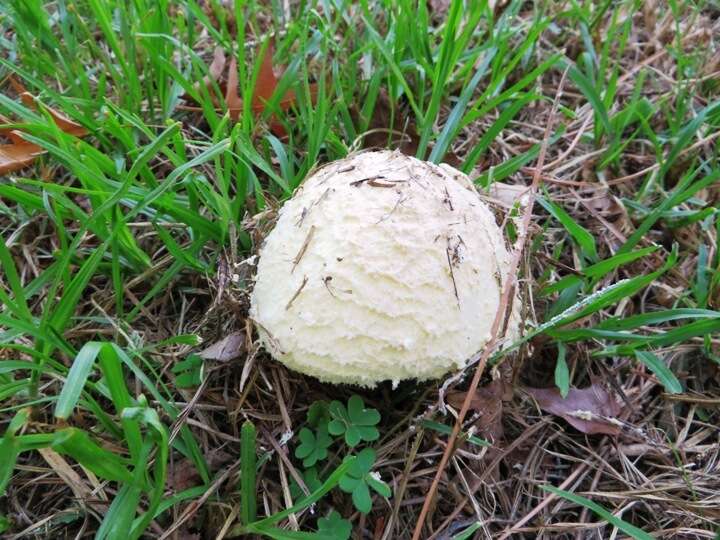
pixel 217 65
pixel 183 474
pixel 265 86
pixel 266 81
pixel 14 157
pixel 228 348
pixel 509 194
pixel 590 410
pixel 62 121
pixel 487 402
pixel 11 133
pixel 232 99
pixel 21 153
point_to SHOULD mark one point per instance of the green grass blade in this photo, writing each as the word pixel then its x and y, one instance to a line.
pixel 624 526
pixel 682 192
pixel 661 371
pixel 114 379
pixel 119 517
pixel 467 533
pixel 657 317
pixel 78 444
pixel 76 378
pixel 588 89
pixel 453 121
pixel 248 501
pixel 61 313
pixel 441 72
pixel 332 481
pixel 562 373
pixel 20 306
pixel 580 234
pixel 9 450
pixel 491 134
pixel 608 296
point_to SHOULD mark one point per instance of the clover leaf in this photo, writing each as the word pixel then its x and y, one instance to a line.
pixel 313 445
pixel 335 527
pixel 359 478
pixel 355 422
pixel 189 372
pixel 318 414
pixel 312 480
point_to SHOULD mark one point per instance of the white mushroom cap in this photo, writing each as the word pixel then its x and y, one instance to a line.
pixel 381 267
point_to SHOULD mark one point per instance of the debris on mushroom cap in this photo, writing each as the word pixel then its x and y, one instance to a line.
pixel 381 267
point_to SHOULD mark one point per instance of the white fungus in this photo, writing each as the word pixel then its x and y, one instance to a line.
pixel 380 267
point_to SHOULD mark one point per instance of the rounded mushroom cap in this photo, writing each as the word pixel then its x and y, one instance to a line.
pixel 380 267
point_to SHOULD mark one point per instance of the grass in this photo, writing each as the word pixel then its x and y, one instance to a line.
pixel 122 251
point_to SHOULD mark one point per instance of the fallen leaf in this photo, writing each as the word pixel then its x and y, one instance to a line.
pixel 218 63
pixel 62 121
pixel 487 402
pixel 21 153
pixel 232 100
pixel 509 194
pixel 228 348
pixel 14 157
pixel 215 71
pixel 66 473
pixel 184 474
pixel 589 410
pixel 404 135
pixel 265 86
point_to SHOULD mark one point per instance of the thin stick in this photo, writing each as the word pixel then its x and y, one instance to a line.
pixel 505 302
pixel 304 247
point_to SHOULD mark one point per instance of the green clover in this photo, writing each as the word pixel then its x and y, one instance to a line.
pixel 313 445
pixel 359 478
pixel 189 372
pixel 318 414
pixel 312 480
pixel 335 527
pixel 356 422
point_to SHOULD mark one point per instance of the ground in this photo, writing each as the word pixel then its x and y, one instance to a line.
pixel 135 401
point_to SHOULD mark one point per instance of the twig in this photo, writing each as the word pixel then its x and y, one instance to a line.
pixel 303 248
pixel 452 273
pixel 297 293
pixel 505 304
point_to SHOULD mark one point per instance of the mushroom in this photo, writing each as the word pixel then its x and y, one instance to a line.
pixel 380 267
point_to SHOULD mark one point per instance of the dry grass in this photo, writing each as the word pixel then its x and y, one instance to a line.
pixel 662 473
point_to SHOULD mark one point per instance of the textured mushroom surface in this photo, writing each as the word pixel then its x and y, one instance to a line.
pixel 380 267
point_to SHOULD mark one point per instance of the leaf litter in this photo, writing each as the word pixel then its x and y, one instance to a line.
pixel 590 410
pixel 228 348
pixel 225 75
pixel 20 153
pixel 487 402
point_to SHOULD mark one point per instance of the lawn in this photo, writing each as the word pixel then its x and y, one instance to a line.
pixel 146 149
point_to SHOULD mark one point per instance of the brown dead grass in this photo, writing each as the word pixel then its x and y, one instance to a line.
pixel 670 489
